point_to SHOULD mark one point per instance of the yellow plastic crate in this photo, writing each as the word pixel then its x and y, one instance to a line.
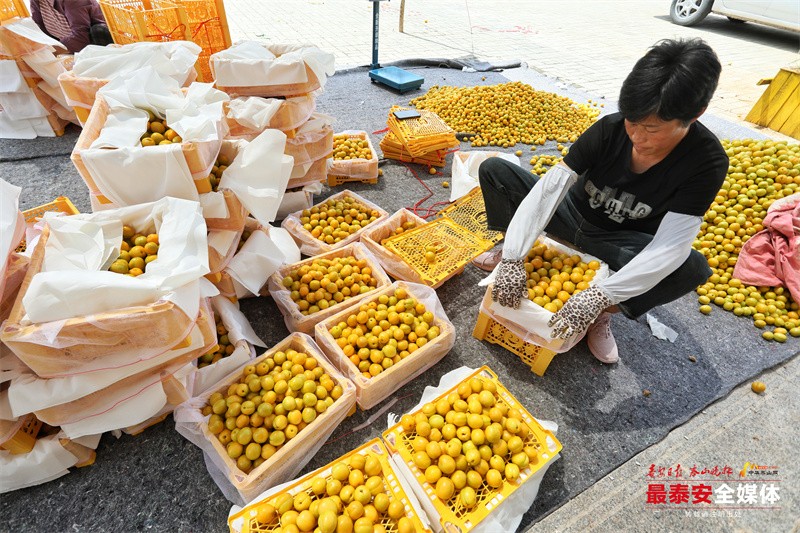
pixel 453 516
pixel 469 212
pixel 424 134
pixel 536 357
pixel 456 246
pixel 392 148
pixel 19 436
pixel 246 521
pixel 133 21
pixel 10 9
pixel 61 204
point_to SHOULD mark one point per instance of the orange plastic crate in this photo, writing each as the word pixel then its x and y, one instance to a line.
pixel 13 8
pixel 424 134
pixel 208 27
pixel 19 436
pixel 132 21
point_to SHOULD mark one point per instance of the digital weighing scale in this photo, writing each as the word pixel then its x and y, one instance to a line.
pixel 396 78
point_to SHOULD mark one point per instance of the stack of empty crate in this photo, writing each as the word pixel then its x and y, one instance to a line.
pixel 423 140
pixel 31 103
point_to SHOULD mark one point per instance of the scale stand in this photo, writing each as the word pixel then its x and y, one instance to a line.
pixel 393 77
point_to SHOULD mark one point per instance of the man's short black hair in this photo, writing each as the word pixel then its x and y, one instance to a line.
pixel 674 80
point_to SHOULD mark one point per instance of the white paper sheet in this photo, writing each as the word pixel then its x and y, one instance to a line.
pixel 253 112
pixel 249 63
pixel 259 175
pixel 28 29
pixel 11 80
pixel 22 105
pixel 45 63
pixel 24 129
pixel 169 59
pixel 182 259
pixel 12 224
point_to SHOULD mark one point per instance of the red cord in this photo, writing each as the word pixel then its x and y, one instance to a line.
pixel 423 212
pixel 384 130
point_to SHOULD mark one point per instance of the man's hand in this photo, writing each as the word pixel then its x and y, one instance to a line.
pixel 509 284
pixel 578 313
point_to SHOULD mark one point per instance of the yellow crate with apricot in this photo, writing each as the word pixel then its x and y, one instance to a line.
pixel 360 491
pixel 470 449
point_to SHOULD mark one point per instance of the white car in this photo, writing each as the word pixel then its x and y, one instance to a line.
pixel 784 14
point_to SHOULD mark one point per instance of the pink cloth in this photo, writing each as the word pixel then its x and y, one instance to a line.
pixel 771 257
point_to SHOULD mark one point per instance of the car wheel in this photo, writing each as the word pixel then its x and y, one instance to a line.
pixel 689 12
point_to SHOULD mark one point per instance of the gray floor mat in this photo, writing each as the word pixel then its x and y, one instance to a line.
pixel 158 480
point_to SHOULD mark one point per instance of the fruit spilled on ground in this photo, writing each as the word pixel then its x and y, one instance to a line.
pixel 508 113
pixel 760 172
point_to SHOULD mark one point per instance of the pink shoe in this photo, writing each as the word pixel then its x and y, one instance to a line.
pixel 601 341
pixel 488 260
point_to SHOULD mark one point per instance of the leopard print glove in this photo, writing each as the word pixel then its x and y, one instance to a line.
pixel 509 284
pixel 578 313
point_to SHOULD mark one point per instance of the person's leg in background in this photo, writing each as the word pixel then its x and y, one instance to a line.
pixel 100 35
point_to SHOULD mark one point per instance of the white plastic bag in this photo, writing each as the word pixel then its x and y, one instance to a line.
pixel 465 170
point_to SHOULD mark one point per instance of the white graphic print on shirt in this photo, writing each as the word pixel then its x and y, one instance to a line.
pixel 617 209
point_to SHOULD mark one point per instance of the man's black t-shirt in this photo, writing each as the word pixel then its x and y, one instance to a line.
pixel 610 196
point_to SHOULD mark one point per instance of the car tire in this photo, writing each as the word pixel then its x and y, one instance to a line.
pixel 689 12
